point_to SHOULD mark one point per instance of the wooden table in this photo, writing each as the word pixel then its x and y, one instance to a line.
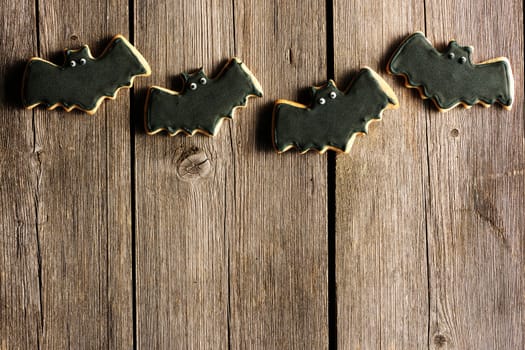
pixel 108 239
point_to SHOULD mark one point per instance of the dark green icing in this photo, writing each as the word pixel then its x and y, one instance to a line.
pixel 450 77
pixel 89 80
pixel 201 109
pixel 333 124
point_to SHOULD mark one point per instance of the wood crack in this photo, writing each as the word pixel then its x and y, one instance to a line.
pixel 427 203
pixel 37 193
pixel 226 241
pixel 331 169
pixel 38 243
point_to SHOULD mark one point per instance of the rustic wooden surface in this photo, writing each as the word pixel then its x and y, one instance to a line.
pixel 381 189
pixel 476 222
pixel 113 239
pixel 66 229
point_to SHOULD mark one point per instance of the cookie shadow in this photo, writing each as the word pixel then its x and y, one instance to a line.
pixel 263 128
pixel 12 87
pixel 138 98
pixel 392 47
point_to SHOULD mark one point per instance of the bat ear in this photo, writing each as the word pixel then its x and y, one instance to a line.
pixel 313 91
pixel 331 84
pixel 85 51
pixel 76 53
pixel 201 73
pixel 68 53
pixel 185 77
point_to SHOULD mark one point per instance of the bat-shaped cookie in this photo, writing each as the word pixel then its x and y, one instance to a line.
pixel 203 103
pixel 335 117
pixel 450 78
pixel 83 81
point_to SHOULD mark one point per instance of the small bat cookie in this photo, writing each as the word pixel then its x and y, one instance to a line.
pixel 203 103
pixel 83 82
pixel 450 78
pixel 335 117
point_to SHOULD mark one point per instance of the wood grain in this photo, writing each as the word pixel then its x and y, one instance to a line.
pixel 20 292
pixel 183 222
pixel 381 190
pixel 278 236
pixel 477 182
pixel 230 240
pixel 207 248
pixel 82 195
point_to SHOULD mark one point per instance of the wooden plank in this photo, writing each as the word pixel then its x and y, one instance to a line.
pixel 278 233
pixel 83 195
pixel 381 190
pixel 183 220
pixel 20 298
pixel 477 181
pixel 199 238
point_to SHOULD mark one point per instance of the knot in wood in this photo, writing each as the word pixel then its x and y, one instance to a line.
pixel 440 340
pixel 194 166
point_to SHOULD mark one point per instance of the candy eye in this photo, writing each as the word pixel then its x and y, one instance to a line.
pixel 203 81
pixel 82 61
pixel 72 63
pixel 333 95
pixel 193 86
pixel 451 55
pixel 462 60
pixel 322 101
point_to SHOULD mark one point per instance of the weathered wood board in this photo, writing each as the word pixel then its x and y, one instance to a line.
pixel 110 238
pixel 381 192
pixel 476 222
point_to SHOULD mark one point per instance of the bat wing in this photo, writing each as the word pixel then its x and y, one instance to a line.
pixel 83 87
pixel 201 110
pixel 491 82
pixel 294 127
pixel 333 125
pixel 448 82
pixel 239 84
pixel 416 59
pixel 40 79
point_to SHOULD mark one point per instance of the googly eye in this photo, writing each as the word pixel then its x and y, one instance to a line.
pixel 333 95
pixel 193 86
pixel 82 61
pixel 451 55
pixel 72 63
pixel 462 60
pixel 322 101
pixel 203 81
